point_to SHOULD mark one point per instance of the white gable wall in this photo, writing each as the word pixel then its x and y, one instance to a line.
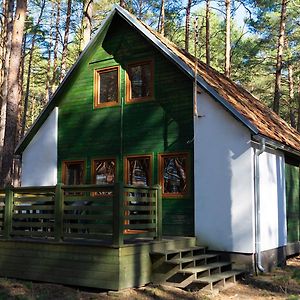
pixel 272 199
pixel 224 211
pixel 224 184
pixel 39 159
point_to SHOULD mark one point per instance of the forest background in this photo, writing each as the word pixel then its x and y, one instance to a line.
pixel 254 42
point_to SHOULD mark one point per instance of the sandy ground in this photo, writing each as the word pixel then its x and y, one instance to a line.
pixel 283 283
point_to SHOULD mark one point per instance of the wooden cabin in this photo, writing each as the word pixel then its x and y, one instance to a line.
pixel 144 150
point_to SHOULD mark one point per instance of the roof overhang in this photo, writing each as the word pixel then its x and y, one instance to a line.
pixel 275 145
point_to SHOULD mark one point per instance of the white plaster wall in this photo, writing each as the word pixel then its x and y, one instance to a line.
pixel 224 189
pixel 39 159
pixel 272 199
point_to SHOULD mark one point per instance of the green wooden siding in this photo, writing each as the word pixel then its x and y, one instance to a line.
pixel 293 202
pixel 162 125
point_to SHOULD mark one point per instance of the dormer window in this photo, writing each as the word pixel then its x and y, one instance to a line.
pixel 106 87
pixel 139 81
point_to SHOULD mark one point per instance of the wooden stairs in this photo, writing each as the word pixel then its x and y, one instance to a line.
pixel 191 268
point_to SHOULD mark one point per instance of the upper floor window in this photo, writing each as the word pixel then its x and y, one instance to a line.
pixel 140 81
pixel 73 172
pixel 106 87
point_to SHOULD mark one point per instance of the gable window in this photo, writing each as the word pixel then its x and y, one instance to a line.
pixel 140 81
pixel 73 172
pixel 173 172
pixel 138 170
pixel 104 171
pixel 106 87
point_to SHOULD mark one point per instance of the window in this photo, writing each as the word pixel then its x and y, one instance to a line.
pixel 104 171
pixel 106 87
pixel 138 170
pixel 140 81
pixel 173 172
pixel 73 172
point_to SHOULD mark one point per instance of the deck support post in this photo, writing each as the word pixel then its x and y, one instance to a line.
pixel 118 215
pixel 59 209
pixel 158 213
pixel 9 198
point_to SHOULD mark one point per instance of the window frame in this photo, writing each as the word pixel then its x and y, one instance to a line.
pixel 126 167
pixel 161 157
pixel 93 164
pixel 70 162
pixel 128 82
pixel 97 74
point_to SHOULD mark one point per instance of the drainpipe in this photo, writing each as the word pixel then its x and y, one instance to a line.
pixel 257 153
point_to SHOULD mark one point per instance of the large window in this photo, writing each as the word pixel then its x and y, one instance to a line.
pixel 140 81
pixel 173 172
pixel 104 171
pixel 73 172
pixel 138 170
pixel 106 87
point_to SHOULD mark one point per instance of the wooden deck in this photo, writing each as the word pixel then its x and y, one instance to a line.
pixel 88 235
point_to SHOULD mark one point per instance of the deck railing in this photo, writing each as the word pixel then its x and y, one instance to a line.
pixel 112 213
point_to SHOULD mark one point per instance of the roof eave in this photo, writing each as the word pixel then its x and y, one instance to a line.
pixel 275 144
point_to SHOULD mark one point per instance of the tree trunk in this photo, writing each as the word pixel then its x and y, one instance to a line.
pixel 13 93
pixel 122 3
pixel 280 45
pixel 48 80
pixel 87 22
pixel 55 51
pixel 291 95
pixel 162 18
pixel 65 43
pixel 33 40
pixel 207 32
pixel 187 24
pixel 4 87
pixel 227 38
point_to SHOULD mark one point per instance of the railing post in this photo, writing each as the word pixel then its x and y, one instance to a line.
pixel 118 215
pixel 8 211
pixel 158 212
pixel 58 212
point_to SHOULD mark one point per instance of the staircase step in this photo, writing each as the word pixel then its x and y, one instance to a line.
pixel 191 258
pixel 177 251
pixel 199 269
pixel 217 277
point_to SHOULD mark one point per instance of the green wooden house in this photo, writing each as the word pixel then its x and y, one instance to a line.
pixel 146 141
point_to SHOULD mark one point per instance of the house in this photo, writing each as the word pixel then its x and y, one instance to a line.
pixel 129 111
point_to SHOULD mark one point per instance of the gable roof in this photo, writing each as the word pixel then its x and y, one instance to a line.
pixel 238 101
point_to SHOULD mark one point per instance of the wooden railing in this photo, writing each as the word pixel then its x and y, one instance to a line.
pixel 114 213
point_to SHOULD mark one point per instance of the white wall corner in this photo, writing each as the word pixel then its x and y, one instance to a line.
pixel 39 159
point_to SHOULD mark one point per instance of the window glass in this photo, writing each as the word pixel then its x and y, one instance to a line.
pixel 73 173
pixel 106 87
pixel 174 174
pixel 138 170
pixel 140 80
pixel 104 171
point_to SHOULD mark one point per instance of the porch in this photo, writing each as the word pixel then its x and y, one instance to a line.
pixel 89 235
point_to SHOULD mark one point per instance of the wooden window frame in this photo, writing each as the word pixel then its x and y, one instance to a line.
pixel 128 82
pixel 94 163
pixel 97 73
pixel 64 169
pixel 126 166
pixel 161 157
